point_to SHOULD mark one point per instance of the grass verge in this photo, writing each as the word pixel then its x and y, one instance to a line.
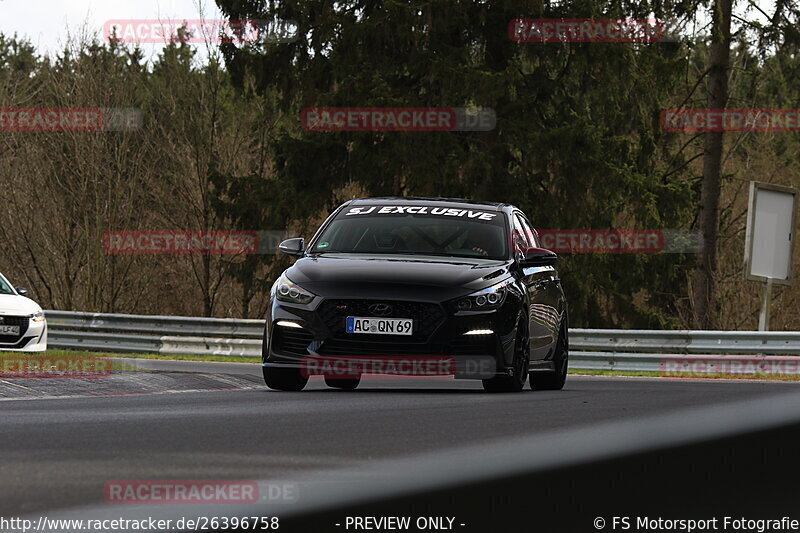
pixel 687 375
pixel 239 359
pixel 83 354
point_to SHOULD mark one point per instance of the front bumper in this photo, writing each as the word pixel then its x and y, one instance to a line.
pixel 32 336
pixel 318 338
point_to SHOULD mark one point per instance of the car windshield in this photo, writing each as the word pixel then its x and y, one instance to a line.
pixel 415 230
pixel 5 288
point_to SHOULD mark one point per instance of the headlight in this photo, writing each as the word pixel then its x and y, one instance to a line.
pixel 38 316
pixel 286 290
pixel 488 298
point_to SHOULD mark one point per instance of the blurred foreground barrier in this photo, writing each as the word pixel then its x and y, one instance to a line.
pixel 590 349
pixel 590 476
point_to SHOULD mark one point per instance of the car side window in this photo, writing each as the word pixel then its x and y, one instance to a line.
pixel 4 287
pixel 530 234
pixel 520 238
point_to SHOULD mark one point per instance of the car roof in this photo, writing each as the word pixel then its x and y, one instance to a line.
pixel 425 200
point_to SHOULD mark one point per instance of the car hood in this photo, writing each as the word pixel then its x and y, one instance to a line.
pixel 395 276
pixel 12 304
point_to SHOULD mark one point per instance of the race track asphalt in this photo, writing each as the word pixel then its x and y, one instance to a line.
pixel 62 440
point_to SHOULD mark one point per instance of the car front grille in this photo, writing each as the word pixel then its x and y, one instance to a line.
pixel 427 318
pixel 21 321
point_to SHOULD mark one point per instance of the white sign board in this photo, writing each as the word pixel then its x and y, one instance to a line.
pixel 770 232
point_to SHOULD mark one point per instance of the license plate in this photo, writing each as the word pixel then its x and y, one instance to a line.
pixel 9 330
pixel 379 326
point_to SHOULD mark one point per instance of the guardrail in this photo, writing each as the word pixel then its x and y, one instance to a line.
pixel 156 325
pixel 590 349
pixel 169 335
pixel 649 350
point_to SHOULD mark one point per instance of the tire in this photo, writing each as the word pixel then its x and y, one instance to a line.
pixel 343 383
pixel 285 379
pixel 555 380
pixel 521 362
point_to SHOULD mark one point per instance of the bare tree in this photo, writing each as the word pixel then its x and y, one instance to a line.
pixel 703 289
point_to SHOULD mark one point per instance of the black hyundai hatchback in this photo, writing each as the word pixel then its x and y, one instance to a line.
pixel 418 286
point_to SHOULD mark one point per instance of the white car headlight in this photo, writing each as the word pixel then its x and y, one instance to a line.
pixel 285 290
pixel 37 316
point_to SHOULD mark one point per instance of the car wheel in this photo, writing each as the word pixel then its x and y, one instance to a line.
pixel 516 382
pixel 344 384
pixel 285 379
pixel 555 380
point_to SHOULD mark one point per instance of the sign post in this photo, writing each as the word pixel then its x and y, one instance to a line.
pixel 768 240
pixel 763 316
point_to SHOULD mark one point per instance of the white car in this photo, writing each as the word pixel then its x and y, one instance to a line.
pixel 22 324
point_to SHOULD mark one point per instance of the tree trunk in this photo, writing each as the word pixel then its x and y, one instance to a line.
pixel 704 287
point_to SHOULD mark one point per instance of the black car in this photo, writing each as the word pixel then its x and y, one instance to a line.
pixel 418 286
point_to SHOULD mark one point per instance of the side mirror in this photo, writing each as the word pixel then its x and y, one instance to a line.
pixel 293 246
pixel 22 291
pixel 536 257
